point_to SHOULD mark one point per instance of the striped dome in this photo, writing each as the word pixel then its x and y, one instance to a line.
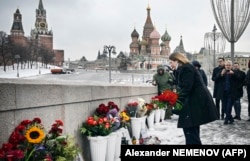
pixel 155 34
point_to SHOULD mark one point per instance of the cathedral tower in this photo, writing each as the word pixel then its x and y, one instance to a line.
pixel 165 38
pixel 134 45
pixel 148 28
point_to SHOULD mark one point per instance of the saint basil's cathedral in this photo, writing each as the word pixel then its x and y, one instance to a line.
pixel 149 50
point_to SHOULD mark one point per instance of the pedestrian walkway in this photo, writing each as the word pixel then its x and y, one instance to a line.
pixel 215 133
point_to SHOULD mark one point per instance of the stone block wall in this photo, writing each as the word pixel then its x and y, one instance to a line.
pixel 71 102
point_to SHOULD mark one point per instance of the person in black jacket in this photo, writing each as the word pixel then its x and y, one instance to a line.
pixel 217 93
pixel 239 83
pixel 198 106
pixel 230 94
pixel 202 72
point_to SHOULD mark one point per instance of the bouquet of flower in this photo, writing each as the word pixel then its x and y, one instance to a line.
pixel 168 98
pixel 158 104
pixel 124 119
pixel 131 108
pixel 29 141
pixel 141 111
pixel 103 109
pixel 110 111
pixel 97 126
pixel 150 107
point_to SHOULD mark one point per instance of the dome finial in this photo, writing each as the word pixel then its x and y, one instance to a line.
pixel 148 6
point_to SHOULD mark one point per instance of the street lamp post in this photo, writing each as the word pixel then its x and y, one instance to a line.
pixel 17 57
pixel 149 65
pixel 107 50
pixel 216 41
pixel 39 59
pixel 214 32
pixel 54 59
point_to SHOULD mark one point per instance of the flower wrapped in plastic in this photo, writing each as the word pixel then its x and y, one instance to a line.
pixel 113 114
pixel 142 109
pixel 103 109
pixel 136 108
pixel 109 111
pixel 131 108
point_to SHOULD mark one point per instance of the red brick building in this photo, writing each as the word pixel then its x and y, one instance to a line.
pixel 40 34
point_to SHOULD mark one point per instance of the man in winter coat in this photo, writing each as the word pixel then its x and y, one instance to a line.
pixel 162 79
pixel 217 93
pixel 239 83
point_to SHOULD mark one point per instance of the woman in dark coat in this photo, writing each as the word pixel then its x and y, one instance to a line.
pixel 198 105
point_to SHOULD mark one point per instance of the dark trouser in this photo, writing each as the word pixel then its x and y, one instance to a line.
pixel 217 103
pixel 237 108
pixel 227 105
pixel 192 135
pixel 248 97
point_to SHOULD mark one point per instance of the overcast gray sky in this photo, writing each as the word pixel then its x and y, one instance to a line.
pixel 82 27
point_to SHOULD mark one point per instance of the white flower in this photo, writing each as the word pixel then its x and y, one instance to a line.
pixel 141 102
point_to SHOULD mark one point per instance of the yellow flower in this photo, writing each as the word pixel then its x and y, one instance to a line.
pixel 35 134
pixel 124 116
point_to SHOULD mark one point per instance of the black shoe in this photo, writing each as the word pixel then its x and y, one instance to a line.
pixel 248 120
pixel 231 122
pixel 225 122
pixel 237 117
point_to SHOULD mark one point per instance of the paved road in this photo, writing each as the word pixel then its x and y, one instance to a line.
pixel 97 76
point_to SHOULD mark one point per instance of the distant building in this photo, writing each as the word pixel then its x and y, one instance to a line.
pixel 145 53
pixel 40 35
pixel 206 58
pixel 149 51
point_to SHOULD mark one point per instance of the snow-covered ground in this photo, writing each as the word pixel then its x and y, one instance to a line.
pixel 23 73
pixel 214 133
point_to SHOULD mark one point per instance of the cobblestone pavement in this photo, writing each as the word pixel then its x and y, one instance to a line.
pixel 215 133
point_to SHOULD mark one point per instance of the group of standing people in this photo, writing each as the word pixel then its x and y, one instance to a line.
pixel 198 107
pixel 229 81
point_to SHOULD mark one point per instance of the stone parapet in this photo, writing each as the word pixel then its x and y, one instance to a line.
pixel 72 102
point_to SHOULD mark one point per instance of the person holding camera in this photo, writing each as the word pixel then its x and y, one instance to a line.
pixel 229 79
